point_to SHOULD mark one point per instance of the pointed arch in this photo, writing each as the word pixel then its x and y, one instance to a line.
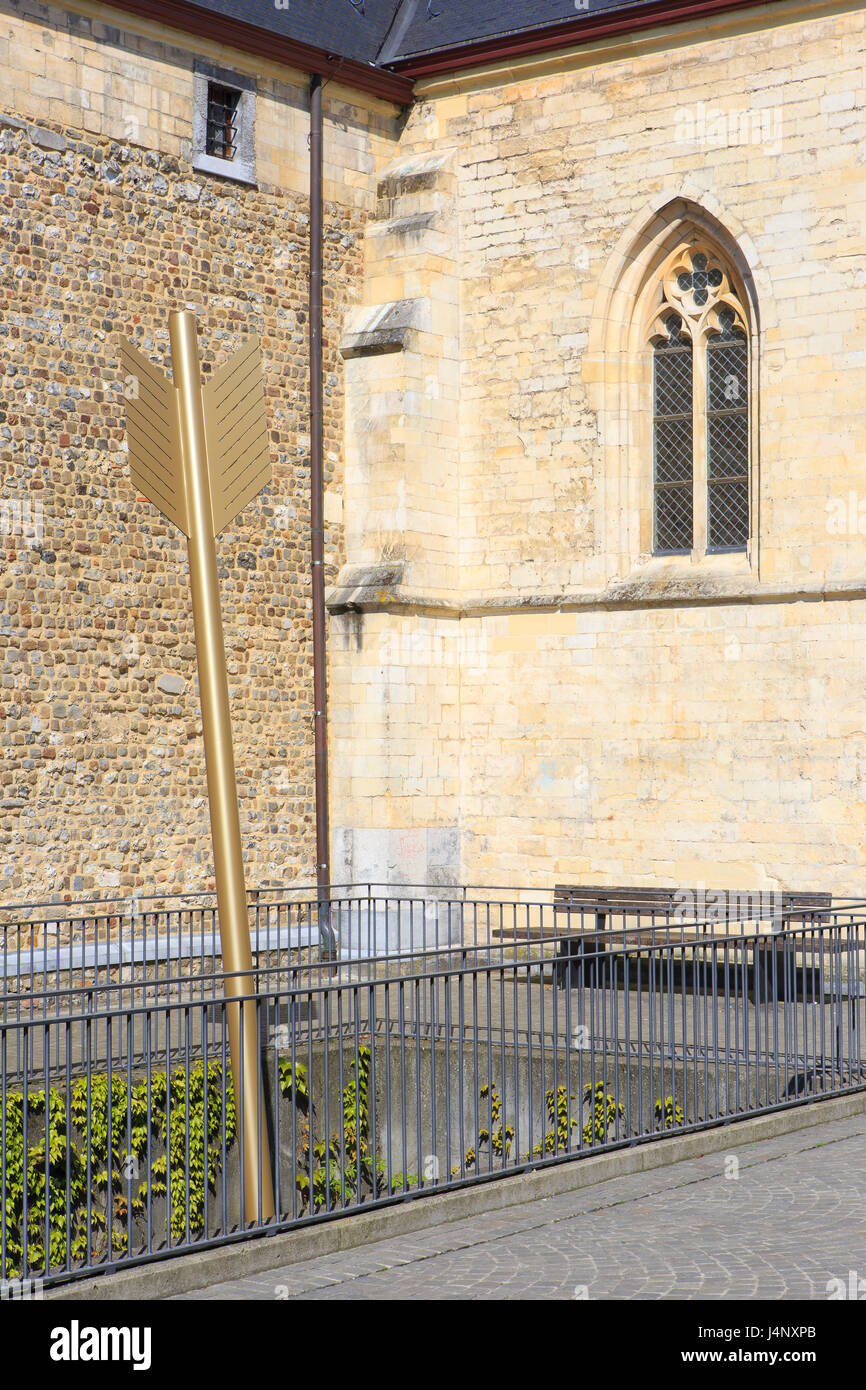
pixel 618 366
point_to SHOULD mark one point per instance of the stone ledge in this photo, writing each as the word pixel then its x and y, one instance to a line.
pixel 403 226
pixel 385 328
pixel 363 586
pixel 637 594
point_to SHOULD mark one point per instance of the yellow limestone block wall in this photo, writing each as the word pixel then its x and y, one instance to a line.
pixel 717 746
pixel 669 728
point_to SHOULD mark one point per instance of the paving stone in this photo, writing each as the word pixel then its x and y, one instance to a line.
pixel 788 1224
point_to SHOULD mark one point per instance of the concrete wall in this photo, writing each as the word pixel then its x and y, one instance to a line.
pixel 452 1097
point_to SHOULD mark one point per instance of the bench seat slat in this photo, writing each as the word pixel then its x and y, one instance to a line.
pixel 790 905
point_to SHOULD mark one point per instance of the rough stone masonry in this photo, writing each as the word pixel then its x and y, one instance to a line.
pixel 105 227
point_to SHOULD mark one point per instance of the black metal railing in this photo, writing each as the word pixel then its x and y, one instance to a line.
pixel 451 1040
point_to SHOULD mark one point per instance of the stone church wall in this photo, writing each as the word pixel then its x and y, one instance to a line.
pixel 593 712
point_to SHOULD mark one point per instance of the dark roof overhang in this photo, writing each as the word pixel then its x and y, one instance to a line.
pixel 571 33
pixel 264 43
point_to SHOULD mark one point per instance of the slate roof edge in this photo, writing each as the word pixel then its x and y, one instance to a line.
pixel 393 80
pixel 566 34
pixel 249 38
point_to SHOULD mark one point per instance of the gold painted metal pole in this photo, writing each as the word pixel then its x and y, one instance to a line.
pixel 221 782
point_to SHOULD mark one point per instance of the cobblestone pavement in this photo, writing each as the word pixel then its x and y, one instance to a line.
pixel 791 1221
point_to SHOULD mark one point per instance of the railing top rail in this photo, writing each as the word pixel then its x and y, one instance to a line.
pixel 62 907
pixel 57 913
pixel 334 979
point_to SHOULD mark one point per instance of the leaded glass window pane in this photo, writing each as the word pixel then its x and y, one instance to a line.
pixel 673 452
pixel 727 437
pixel 673 440
pixel 673 520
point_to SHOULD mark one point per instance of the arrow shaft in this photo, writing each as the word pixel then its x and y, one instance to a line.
pixel 221 779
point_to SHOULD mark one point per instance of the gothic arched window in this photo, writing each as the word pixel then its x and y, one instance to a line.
pixel 700 408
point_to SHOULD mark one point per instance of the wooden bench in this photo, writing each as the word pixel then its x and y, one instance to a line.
pixel 728 902
pixel 593 943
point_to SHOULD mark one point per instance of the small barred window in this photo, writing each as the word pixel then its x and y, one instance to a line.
pixel 222 121
pixel 223 125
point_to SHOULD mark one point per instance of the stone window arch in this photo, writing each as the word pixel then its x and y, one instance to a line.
pixel 639 287
pixel 698 334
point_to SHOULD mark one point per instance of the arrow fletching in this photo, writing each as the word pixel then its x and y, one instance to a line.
pixel 153 430
pixel 236 429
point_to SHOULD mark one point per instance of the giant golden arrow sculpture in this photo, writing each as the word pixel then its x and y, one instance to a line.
pixel 200 454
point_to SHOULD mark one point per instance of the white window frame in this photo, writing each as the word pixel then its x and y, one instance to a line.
pixel 241 169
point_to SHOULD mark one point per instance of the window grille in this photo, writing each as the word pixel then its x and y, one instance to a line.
pixel 727 437
pixel 222 121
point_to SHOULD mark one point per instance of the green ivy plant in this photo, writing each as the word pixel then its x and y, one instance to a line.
pixel 606 1110
pixel 45 1177
pixel 332 1172
pixel 668 1115
pixel 496 1133
pixel 88 1177
pixel 559 1137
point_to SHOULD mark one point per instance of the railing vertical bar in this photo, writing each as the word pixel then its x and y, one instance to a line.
pixel 68 1164
pixel 389 1116
pixel 475 1070
pixel 148 1046
pixel 131 1172
pixel 46 1236
pixel 187 1112
pixel 404 1135
pixel 416 993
